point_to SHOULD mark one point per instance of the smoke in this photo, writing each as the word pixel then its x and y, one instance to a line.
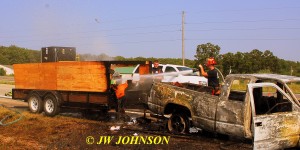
pixel 52 26
pixel 93 57
pixel 144 82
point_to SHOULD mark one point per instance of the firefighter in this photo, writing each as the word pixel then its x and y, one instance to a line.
pixel 120 93
pixel 114 76
pixel 211 75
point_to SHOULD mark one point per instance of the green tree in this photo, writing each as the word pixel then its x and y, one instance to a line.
pixel 120 58
pixel 205 51
pixel 2 72
pixel 270 62
pixel 228 61
pixel 4 60
pixel 13 54
pixel 103 57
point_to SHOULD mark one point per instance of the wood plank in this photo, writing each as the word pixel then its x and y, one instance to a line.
pixel 82 76
pixel 67 76
pixel 47 77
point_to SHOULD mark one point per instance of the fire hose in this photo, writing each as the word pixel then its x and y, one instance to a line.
pixel 8 116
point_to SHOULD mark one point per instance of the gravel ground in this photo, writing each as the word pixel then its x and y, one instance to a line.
pixel 12 103
pixel 4 88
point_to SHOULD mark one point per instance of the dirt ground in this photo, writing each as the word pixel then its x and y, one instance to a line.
pixel 7 80
pixel 4 88
pixel 72 131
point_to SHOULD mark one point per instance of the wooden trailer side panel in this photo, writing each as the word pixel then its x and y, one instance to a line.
pixel 47 76
pixel 64 76
pixel 82 76
pixel 35 76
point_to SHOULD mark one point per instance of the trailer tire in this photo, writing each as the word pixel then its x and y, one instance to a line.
pixel 178 123
pixel 35 103
pixel 51 105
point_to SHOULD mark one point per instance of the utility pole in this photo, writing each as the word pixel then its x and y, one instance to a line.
pixel 182 38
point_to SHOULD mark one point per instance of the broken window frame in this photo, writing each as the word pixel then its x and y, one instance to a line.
pixel 246 80
pixel 251 87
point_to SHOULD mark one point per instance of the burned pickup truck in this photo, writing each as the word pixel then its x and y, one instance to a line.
pixel 261 107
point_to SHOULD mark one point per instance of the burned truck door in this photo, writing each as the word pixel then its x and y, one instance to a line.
pixel 232 107
pixel 275 123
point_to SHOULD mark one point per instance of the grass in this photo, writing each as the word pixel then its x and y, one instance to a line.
pixel 39 131
pixel 295 87
pixel 8 114
pixel 7 80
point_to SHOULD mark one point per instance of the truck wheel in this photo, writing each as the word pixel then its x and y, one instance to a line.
pixel 178 124
pixel 51 107
pixel 35 103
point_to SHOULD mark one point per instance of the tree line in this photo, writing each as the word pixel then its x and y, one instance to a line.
pixel 255 61
pixel 17 55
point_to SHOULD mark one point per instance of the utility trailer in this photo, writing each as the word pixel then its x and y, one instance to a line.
pixel 49 87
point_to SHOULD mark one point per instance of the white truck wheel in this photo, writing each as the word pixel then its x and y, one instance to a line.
pixel 35 103
pixel 51 107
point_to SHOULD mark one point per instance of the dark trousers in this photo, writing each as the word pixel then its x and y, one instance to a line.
pixel 121 104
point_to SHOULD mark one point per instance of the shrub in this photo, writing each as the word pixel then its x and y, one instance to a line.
pixel 2 72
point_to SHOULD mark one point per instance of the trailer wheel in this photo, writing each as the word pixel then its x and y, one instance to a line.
pixel 178 124
pixel 51 107
pixel 35 103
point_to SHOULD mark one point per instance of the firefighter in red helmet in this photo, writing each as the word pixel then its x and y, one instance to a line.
pixel 211 75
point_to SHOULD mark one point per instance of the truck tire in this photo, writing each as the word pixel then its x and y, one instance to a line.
pixel 51 105
pixel 178 123
pixel 35 103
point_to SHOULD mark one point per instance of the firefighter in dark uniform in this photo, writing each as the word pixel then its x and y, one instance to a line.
pixel 211 75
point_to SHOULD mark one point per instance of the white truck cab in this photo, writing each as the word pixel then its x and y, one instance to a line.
pixel 176 73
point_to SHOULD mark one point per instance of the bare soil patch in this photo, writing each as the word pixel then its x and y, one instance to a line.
pixel 36 131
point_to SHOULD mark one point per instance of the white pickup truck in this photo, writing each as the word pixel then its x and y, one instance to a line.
pixel 176 73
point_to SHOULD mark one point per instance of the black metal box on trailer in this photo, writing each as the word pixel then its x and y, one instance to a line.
pixel 55 54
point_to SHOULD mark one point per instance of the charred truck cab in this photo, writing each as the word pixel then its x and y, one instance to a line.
pixel 261 107
pixel 52 86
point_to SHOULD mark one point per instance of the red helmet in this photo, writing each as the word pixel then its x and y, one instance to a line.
pixel 211 61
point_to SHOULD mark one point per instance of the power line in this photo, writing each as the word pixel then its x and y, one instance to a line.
pixel 245 29
pixel 137 18
pixel 248 39
pixel 113 21
pixel 139 33
pixel 115 29
pixel 245 21
pixel 244 10
pixel 125 42
pixel 151 41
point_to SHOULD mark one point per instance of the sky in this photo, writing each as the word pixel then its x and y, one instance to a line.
pixel 153 28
